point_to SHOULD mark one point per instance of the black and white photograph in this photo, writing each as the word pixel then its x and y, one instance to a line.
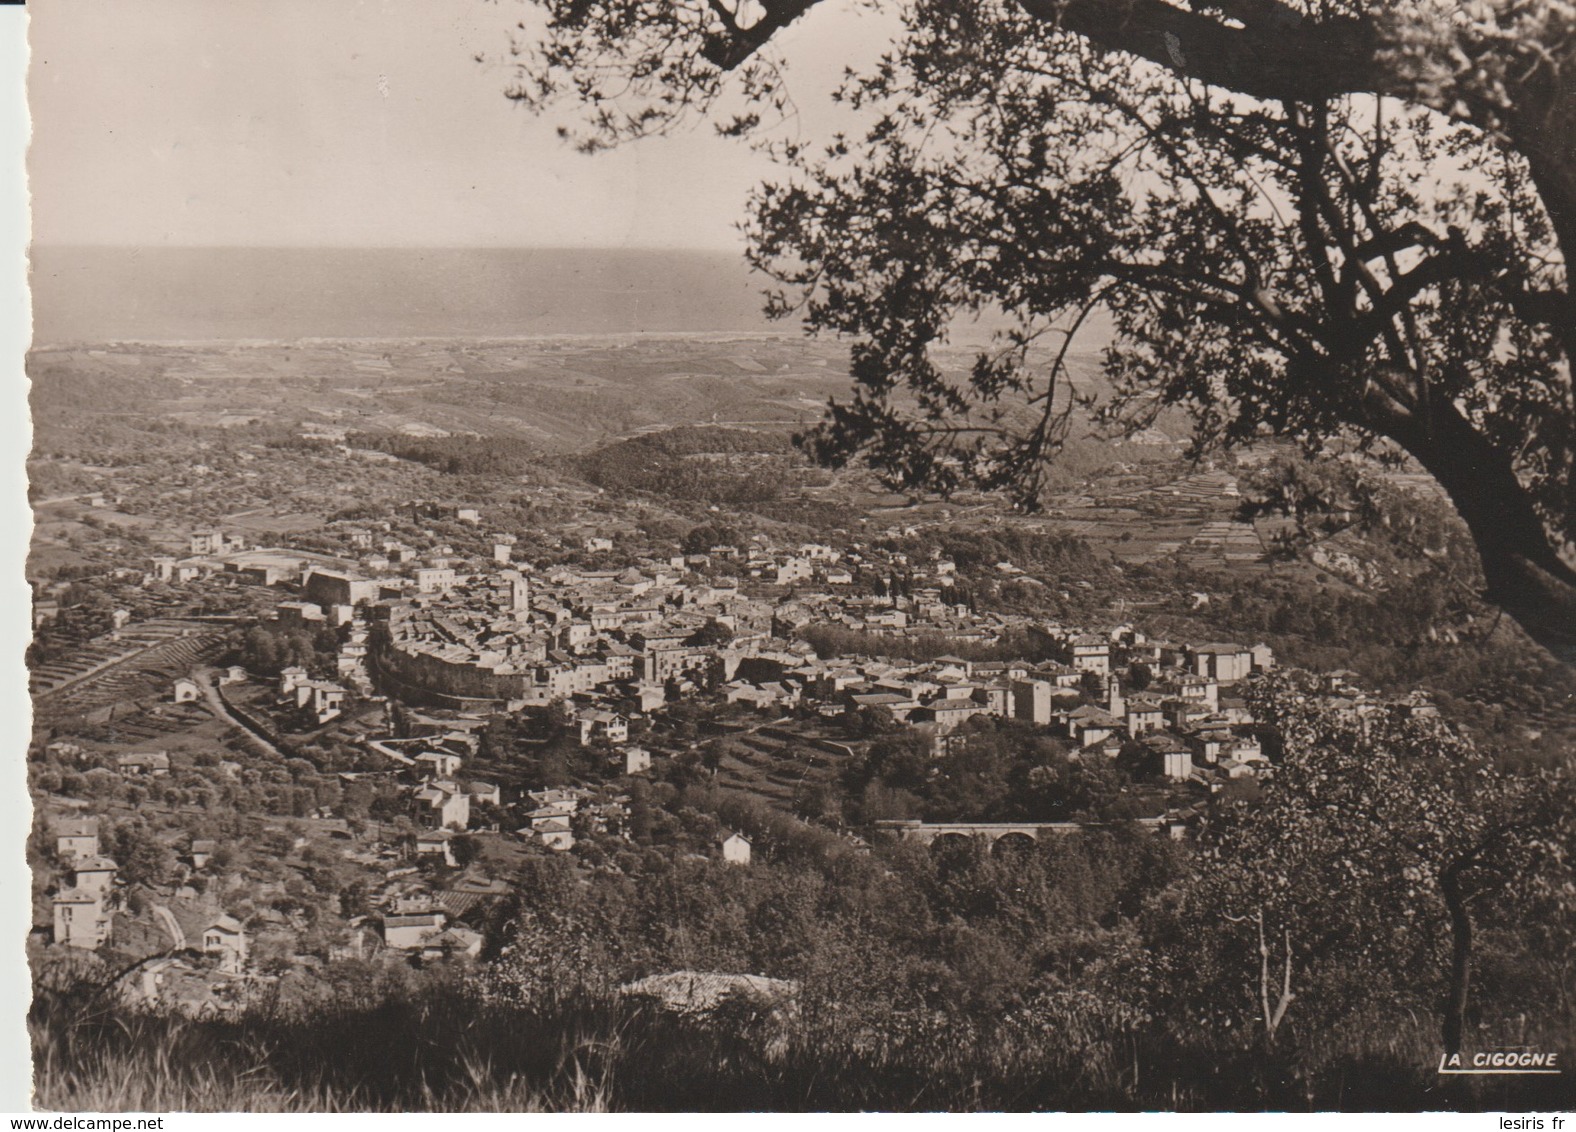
pixel 774 556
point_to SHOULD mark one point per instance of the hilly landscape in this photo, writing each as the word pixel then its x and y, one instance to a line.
pixel 189 486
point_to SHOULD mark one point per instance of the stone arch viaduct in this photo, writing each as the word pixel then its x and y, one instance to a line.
pixel 928 833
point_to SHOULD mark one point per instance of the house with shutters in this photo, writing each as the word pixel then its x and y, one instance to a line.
pixel 1143 715
pixel 81 919
pixel 1088 653
pixel 225 938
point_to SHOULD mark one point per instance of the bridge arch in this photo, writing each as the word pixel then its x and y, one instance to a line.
pixel 1014 844
pixel 950 841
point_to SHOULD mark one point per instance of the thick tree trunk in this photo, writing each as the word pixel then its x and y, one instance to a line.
pixel 1454 1021
pixel 1526 576
pixel 1542 127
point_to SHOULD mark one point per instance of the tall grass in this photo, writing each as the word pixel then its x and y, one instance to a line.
pixel 443 1049
pixel 401 1054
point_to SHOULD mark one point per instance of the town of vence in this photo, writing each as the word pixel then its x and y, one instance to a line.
pixel 817 798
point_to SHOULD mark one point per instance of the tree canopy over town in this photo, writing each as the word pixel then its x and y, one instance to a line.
pixel 1329 220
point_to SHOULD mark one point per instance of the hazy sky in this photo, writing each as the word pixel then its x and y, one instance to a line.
pixel 353 123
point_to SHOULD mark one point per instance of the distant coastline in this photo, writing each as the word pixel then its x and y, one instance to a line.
pixel 228 295
pixel 235 297
pixel 784 331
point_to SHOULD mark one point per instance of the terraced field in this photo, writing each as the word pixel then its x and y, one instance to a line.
pixel 140 662
pixel 155 721
pixel 773 769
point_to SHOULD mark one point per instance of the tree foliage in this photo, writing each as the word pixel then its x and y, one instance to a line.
pixel 1380 848
pixel 1314 219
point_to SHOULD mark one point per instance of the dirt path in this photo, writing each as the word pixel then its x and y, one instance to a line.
pixel 204 678
pixel 171 925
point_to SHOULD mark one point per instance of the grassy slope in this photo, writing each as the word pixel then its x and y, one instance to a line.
pixel 445 1051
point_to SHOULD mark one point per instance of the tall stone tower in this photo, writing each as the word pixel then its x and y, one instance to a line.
pixel 519 591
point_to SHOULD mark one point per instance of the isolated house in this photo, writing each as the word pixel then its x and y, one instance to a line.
pixel 81 919
pixel 551 823
pixel 210 542
pixel 736 849
pixel 226 938
pixel 77 837
pixel 185 691
pixel 202 851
